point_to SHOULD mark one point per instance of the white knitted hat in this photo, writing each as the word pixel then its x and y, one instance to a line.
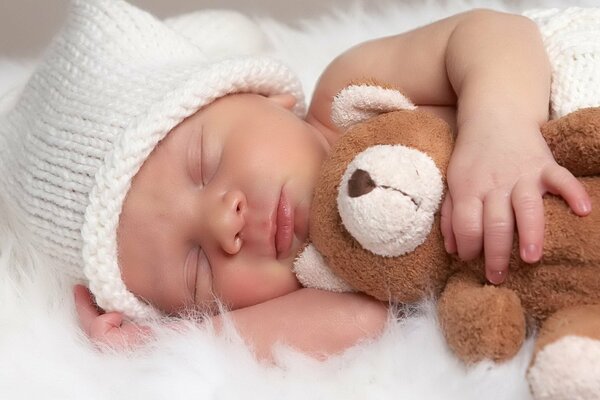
pixel 111 86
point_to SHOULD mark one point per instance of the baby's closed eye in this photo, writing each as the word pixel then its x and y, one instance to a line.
pixel 191 272
pixel 202 156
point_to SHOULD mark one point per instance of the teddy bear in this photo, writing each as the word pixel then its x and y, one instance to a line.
pixel 375 228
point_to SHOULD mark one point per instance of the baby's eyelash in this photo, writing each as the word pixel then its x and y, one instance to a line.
pixel 196 276
pixel 196 267
pixel 194 156
pixel 211 155
pixel 190 270
pixel 202 161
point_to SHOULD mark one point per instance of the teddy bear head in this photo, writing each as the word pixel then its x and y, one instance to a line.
pixel 376 212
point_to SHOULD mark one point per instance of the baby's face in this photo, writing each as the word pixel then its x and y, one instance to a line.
pixel 220 207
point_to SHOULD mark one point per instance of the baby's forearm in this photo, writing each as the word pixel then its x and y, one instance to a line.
pixel 312 321
pixel 498 68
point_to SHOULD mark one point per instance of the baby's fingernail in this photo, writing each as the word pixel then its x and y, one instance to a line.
pixel 531 253
pixel 496 276
pixel 585 206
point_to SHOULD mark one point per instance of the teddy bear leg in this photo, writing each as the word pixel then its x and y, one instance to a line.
pixel 566 363
pixel 575 141
pixel 481 321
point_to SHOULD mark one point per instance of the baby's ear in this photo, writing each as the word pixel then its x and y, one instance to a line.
pixel 284 100
pixel 359 102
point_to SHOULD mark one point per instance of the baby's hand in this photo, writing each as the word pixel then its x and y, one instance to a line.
pixel 107 328
pixel 497 174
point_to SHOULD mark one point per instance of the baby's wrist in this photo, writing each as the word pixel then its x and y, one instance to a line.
pixel 484 101
pixel 504 120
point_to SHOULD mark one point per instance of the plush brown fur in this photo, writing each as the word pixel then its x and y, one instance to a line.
pixel 478 320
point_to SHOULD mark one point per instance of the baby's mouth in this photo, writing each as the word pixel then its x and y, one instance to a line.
pixel 284 233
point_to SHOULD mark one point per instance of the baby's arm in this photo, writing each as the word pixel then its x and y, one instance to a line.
pixel 313 321
pixel 493 68
pixel 317 322
pixel 501 166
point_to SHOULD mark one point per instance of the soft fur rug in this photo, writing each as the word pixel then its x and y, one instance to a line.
pixel 44 355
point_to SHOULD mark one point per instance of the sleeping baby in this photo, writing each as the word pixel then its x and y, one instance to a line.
pixel 167 179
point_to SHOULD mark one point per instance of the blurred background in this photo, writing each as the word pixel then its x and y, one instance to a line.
pixel 27 26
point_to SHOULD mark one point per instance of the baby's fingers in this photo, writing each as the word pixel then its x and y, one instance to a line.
pixel 529 213
pixel 446 225
pixel 85 307
pixel 94 323
pixel 498 228
pixel 110 329
pixel 558 180
pixel 467 224
pixel 106 328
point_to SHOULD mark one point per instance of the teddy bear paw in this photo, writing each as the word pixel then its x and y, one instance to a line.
pixel 566 369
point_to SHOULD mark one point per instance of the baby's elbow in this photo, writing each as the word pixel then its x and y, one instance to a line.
pixel 365 320
pixel 344 321
pixel 507 21
pixel 484 13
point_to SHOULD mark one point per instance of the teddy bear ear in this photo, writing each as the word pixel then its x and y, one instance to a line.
pixel 359 102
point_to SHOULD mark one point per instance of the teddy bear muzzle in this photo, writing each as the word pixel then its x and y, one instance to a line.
pixel 388 197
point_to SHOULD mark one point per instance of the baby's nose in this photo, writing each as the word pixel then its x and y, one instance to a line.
pixel 230 221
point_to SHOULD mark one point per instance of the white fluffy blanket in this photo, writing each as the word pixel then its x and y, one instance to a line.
pixel 44 355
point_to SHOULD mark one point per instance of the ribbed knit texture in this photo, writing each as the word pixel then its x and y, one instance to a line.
pixel 572 39
pixel 111 86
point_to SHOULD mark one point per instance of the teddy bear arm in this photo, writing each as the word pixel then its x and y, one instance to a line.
pixel 575 141
pixel 481 321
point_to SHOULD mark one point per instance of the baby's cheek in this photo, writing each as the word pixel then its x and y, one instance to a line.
pixel 247 286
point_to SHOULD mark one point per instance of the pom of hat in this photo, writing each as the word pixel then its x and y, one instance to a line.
pixel 221 33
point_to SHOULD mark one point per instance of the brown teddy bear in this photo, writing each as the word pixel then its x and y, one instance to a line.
pixel 375 228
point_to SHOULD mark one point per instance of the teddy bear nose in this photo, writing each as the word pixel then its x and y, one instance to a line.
pixel 360 183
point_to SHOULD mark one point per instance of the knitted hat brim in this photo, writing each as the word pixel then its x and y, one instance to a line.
pixel 193 88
